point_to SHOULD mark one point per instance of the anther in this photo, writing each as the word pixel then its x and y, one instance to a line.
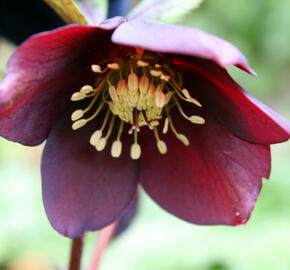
pixel 185 92
pixel 114 66
pixel 155 73
pixel 77 115
pixel 196 119
pixel 162 147
pixel 96 68
pixel 165 77
pixel 77 96
pixel 96 136
pixel 135 150
pixel 101 144
pixel 86 89
pixel 116 149
pixel 182 138
pixel 78 124
pixel 141 63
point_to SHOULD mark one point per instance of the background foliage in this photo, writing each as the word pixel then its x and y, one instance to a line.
pixel 157 240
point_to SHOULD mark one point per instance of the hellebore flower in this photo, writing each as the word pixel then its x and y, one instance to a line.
pixel 197 142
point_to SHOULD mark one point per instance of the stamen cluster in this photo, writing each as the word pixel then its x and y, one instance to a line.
pixel 137 90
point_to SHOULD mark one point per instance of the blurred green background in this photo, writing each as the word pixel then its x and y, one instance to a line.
pixel 157 240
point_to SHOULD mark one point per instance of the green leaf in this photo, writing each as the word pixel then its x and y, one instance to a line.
pixel 166 11
pixel 68 10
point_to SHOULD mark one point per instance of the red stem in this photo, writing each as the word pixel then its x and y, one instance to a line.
pixel 76 253
pixel 104 238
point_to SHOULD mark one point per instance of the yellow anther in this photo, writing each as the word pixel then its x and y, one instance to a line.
pixel 86 89
pixel 77 96
pixel 135 151
pixel 78 124
pixel 95 137
pixel 162 147
pixel 197 119
pixel 96 68
pixel 113 93
pixel 132 82
pixel 101 144
pixel 185 92
pixel 144 84
pixel 155 73
pixel 114 66
pixel 182 138
pixel 154 123
pixel 158 66
pixel 116 149
pixel 165 127
pixel 77 115
pixel 141 63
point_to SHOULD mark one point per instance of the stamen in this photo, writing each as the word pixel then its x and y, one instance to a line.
pixel 116 149
pixel 158 66
pixel 96 68
pixel 77 96
pixel 179 136
pixel 165 127
pixel 96 136
pixel 140 52
pixel 101 143
pixel 193 118
pixel 135 151
pixel 191 99
pixel 165 77
pixel 114 66
pixel 141 63
pixel 155 73
pixel 78 124
pixel 185 92
pixel 77 115
pixel 161 145
pixel 86 89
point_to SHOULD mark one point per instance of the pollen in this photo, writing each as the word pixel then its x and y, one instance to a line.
pixel 137 91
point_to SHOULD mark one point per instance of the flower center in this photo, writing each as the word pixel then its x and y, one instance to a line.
pixel 138 89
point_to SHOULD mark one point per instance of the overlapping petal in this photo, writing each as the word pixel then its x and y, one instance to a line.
pixel 179 40
pixel 42 74
pixel 84 190
pixel 236 109
pixel 215 180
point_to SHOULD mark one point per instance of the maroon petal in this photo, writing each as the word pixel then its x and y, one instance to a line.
pixel 42 74
pixel 83 189
pixel 237 110
pixel 127 218
pixel 214 180
pixel 179 40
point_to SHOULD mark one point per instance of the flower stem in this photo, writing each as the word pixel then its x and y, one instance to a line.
pixel 76 253
pixel 104 238
pixel 118 8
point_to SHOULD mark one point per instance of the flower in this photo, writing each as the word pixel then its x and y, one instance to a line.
pixel 83 88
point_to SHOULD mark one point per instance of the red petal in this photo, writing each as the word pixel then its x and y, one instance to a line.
pixel 83 189
pixel 42 74
pixel 179 40
pixel 214 180
pixel 237 110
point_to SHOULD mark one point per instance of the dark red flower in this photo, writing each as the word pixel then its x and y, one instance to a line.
pixel 135 74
